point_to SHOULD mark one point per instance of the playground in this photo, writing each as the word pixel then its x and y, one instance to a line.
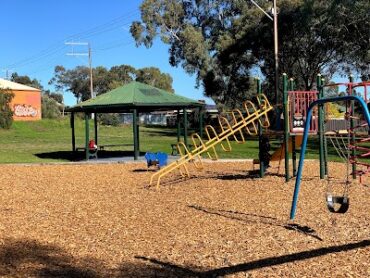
pixel 197 217
pixel 103 220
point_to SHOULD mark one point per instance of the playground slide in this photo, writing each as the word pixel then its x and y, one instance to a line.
pixel 279 154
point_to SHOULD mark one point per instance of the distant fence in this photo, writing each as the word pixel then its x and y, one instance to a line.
pixel 341 124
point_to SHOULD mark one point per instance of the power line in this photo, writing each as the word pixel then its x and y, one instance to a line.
pixel 55 48
pixel 114 45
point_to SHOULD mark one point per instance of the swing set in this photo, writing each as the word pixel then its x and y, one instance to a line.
pixel 347 143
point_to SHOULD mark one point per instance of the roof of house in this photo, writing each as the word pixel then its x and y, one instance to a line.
pixel 6 84
pixel 135 95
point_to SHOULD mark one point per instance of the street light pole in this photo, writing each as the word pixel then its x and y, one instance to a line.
pixel 276 54
pixel 276 49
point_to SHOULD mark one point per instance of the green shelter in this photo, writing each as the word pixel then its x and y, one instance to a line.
pixel 135 98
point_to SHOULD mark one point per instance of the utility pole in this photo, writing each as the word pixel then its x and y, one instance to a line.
pixel 276 49
pixel 92 94
pixel 7 73
pixel 276 53
pixel 88 53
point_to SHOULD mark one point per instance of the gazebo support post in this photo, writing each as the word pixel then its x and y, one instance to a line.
pixel 178 126
pixel 96 128
pixel 138 132
pixel 87 136
pixel 201 122
pixel 185 127
pixel 136 137
pixel 73 132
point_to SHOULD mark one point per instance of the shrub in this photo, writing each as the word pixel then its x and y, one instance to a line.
pixel 109 119
pixel 50 108
pixel 6 114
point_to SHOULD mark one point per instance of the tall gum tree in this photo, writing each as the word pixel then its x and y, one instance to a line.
pixel 222 40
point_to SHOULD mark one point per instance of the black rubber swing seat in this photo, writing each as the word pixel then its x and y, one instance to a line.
pixel 337 204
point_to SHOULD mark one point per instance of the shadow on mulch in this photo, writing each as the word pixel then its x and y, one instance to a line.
pixel 252 174
pixel 258 219
pixel 29 258
pixel 80 155
pixel 262 263
pixel 26 258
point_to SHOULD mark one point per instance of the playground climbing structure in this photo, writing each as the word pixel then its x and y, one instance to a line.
pixel 347 143
pixel 235 126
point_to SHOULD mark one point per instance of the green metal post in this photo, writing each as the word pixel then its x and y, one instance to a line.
pixel 286 126
pixel 185 127
pixel 87 137
pixel 353 134
pixel 321 127
pixel 178 126
pixel 323 133
pixel 326 155
pixel 138 134
pixel 96 128
pixel 201 115
pixel 260 133
pixel 294 151
pixel 136 139
pixel 73 132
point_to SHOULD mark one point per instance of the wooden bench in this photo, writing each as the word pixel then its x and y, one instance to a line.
pixel 102 147
pixel 92 153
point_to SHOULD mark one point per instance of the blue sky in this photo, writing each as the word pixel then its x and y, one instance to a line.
pixel 34 34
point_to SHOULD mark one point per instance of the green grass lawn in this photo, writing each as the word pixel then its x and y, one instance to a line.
pixel 50 141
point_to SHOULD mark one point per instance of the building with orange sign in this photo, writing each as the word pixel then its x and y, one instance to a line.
pixel 26 103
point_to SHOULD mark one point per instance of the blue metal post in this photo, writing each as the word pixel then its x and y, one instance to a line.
pixel 305 136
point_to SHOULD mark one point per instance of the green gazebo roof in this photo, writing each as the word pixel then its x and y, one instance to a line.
pixel 135 95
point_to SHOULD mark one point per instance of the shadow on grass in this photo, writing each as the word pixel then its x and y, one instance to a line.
pixel 80 155
pixel 258 219
pixel 261 263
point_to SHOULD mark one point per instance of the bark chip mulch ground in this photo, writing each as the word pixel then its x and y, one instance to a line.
pixel 103 221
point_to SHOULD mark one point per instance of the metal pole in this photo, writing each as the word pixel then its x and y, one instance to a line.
pixel 185 127
pixel 353 132
pixel 91 78
pixel 201 115
pixel 87 131
pixel 260 132
pixel 321 130
pixel 91 74
pixel 294 151
pixel 178 126
pixel 96 129
pixel 138 132
pixel 134 128
pixel 286 126
pixel 73 132
pixel 276 54
pixel 276 50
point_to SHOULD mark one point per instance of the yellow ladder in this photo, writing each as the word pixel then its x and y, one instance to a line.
pixel 227 129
